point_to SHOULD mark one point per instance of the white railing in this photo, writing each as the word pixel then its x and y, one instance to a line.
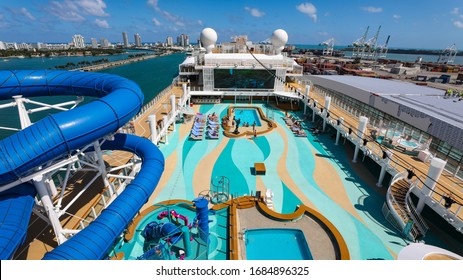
pixel 417 219
pixel 269 63
pixel 391 202
pixel 153 101
pixel 106 198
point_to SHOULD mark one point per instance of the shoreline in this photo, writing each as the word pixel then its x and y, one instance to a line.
pixel 119 62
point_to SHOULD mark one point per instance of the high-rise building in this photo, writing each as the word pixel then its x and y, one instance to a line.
pixel 125 39
pixel 2 46
pixel 38 46
pixel 170 41
pixel 137 40
pixel 183 40
pixel 78 41
pixel 94 43
pixel 104 43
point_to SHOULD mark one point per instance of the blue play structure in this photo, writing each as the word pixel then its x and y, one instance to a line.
pixel 162 234
pixel 156 231
pixel 59 135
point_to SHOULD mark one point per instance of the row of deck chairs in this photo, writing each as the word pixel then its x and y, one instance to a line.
pixel 197 129
pixel 295 126
pixel 213 127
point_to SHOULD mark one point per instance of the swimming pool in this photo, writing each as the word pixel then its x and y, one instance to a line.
pixel 276 244
pixel 247 116
pixel 409 144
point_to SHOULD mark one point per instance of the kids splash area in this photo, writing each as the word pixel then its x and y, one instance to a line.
pixel 197 230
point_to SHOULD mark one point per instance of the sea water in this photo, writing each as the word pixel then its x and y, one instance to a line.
pixel 152 75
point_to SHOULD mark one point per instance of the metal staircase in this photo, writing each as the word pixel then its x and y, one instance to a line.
pixel 399 209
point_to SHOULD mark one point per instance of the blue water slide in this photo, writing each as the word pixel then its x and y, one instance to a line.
pixel 59 135
pixel 15 210
pixel 94 241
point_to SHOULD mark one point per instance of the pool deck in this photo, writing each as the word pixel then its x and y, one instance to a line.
pixel 330 187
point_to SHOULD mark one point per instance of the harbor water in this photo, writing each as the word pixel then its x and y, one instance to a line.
pixel 152 75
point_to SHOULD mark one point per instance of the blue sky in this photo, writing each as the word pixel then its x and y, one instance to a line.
pixel 411 23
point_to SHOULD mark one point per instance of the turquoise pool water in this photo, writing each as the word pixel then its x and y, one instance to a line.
pixel 276 244
pixel 247 116
pixel 410 144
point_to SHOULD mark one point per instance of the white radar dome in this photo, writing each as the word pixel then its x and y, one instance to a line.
pixel 279 39
pixel 208 38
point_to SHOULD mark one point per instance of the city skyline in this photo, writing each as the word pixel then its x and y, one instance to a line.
pixel 413 24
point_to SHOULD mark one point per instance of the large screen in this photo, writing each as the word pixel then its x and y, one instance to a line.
pixel 244 79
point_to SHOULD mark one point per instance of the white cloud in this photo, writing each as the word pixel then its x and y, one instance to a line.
pixel 26 13
pixel 66 10
pixel 200 22
pixel 72 10
pixel 455 11
pixel 101 23
pixel 176 20
pixel 254 12
pixel 458 24
pixel 323 33
pixel 396 16
pixel 93 7
pixel 156 21
pixel 373 9
pixel 154 4
pixel 308 9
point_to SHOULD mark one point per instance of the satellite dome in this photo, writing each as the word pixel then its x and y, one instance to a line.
pixel 279 39
pixel 208 38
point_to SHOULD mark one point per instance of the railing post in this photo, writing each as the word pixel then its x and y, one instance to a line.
pixel 435 170
pixel 326 112
pixel 384 166
pixel 338 133
pixel 363 121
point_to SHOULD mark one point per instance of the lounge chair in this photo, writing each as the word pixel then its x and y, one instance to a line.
pixel 212 123
pixel 197 131
pixel 213 135
pixel 300 133
pixel 213 131
pixel 289 120
pixel 198 126
pixel 197 135
pixel 193 137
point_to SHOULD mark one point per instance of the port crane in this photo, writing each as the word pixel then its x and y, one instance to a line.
pixel 370 46
pixel 328 47
pixel 382 49
pixel 447 56
pixel 359 45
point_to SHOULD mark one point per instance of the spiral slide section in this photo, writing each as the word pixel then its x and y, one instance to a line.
pixel 59 135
